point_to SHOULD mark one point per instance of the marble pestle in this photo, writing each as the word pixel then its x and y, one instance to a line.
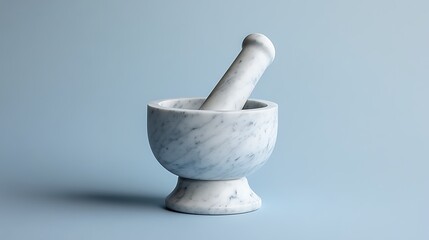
pixel 236 85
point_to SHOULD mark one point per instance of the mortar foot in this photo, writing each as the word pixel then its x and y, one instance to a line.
pixel 213 197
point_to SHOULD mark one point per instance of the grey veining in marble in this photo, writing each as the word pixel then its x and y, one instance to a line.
pixel 213 197
pixel 211 145
pixel 236 85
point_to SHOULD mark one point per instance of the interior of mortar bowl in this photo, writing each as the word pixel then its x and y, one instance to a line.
pixel 195 104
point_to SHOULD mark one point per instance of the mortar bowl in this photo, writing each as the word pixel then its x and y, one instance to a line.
pixel 211 152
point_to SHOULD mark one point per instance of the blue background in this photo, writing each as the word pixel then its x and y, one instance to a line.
pixel 351 79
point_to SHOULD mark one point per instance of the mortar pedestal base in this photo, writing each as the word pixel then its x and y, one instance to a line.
pixel 213 197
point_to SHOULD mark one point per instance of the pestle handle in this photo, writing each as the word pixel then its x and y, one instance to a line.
pixel 236 85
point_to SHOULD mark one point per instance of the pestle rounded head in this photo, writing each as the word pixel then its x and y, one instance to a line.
pixel 260 40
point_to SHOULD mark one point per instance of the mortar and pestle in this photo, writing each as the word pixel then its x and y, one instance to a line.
pixel 212 144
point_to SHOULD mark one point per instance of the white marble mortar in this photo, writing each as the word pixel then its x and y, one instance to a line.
pixel 208 149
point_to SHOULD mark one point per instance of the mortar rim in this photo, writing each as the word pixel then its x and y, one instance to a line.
pixel 156 104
